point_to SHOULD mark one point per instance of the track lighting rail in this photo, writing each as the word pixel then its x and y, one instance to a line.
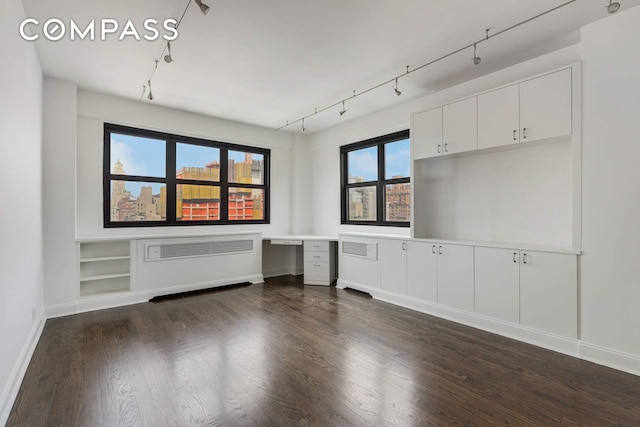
pixel 413 70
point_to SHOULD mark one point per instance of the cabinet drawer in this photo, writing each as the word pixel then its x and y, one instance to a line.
pixel 313 256
pixel 316 271
pixel 316 245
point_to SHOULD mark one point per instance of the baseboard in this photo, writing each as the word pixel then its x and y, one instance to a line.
pixel 120 299
pixel 275 272
pixel 12 387
pixel 611 358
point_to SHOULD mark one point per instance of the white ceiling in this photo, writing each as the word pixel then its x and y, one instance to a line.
pixel 266 62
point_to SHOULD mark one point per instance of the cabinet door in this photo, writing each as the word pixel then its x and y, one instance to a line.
pixel 422 273
pixel 393 266
pixel 548 292
pixel 460 126
pixel 499 117
pixel 497 283
pixel 545 106
pixel 455 276
pixel 426 134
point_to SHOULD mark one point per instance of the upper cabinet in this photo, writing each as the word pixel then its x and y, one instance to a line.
pixel 545 106
pixel 532 110
pixel 460 126
pixel 426 134
pixel 499 117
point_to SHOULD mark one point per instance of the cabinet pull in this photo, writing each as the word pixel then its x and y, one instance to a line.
pixel 524 133
pixel 316 265
pixel 524 258
pixel 439 250
pixel 439 149
pixel 514 256
pixel 433 249
pixel 514 135
pixel 446 150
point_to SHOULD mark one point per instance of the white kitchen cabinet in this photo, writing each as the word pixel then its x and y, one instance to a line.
pixel 497 283
pixel 455 276
pixel 545 106
pixel 548 292
pixel 393 265
pixel 426 134
pixel 460 126
pixel 499 117
pixel 422 271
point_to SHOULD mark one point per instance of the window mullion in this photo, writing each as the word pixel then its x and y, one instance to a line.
pixel 224 185
pixel 172 188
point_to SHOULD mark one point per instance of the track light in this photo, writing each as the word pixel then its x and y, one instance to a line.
pixel 168 58
pixel 398 93
pixel 476 59
pixel 150 96
pixel 613 7
pixel 203 7
pixel 344 110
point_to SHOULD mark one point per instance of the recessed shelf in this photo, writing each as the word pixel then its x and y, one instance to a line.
pixel 104 277
pixel 105 258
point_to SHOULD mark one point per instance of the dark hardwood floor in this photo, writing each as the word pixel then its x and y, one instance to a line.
pixel 283 354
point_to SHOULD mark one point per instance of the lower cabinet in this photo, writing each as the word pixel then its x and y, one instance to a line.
pixel 422 271
pixel 549 292
pixel 393 266
pixel 455 276
pixel 497 292
pixel 535 289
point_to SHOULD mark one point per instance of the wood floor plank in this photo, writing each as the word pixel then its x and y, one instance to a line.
pixel 284 354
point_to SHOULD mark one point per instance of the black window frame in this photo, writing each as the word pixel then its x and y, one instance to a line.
pixel 380 183
pixel 172 182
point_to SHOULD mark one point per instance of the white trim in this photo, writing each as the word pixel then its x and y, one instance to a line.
pixel 12 386
pixel 279 271
pixel 612 358
pixel 119 299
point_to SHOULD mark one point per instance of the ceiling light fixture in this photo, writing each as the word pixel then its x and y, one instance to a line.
pixel 167 57
pixel 344 110
pixel 476 59
pixel 613 7
pixel 486 38
pixel 203 7
pixel 398 93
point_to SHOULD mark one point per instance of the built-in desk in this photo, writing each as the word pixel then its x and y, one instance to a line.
pixel 319 253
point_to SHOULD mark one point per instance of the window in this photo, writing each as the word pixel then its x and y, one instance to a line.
pixel 375 181
pixel 158 179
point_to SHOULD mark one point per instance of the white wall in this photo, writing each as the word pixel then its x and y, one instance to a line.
pixel 21 212
pixel 611 185
pixel 325 146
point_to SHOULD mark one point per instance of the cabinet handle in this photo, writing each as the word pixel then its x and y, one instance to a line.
pixel 524 133
pixel 433 249
pixel 524 258
pixel 514 135
pixel 514 256
pixel 439 149
pixel 316 265
pixel 439 250
pixel 404 246
pixel 446 150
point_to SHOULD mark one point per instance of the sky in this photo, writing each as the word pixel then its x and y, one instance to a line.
pixel 397 161
pixel 147 157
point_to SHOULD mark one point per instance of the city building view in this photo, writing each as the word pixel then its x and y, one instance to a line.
pixel 193 202
pixel 362 201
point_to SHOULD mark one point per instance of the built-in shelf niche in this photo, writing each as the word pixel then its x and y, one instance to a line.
pixel 522 195
pixel 104 267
